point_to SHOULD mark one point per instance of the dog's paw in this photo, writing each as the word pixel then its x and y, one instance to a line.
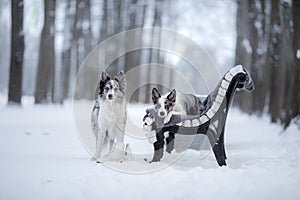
pixel 147 128
pixel 169 149
pixel 98 160
pixel 167 118
pixel 155 160
pixel 117 154
pixel 151 136
pixel 148 121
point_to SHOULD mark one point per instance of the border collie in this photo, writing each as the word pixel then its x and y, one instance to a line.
pixel 175 103
pixel 109 117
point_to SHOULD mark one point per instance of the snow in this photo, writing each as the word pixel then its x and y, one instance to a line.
pixel 42 158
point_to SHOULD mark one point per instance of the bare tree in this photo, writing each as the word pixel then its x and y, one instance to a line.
pixel 154 54
pixel 68 38
pixel 275 104
pixel 82 29
pixel 132 59
pixel 295 94
pixel 287 62
pixel 17 52
pixel 104 21
pixel 265 47
pixel 45 76
pixel 243 49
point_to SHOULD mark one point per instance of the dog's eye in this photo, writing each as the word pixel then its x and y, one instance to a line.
pixel 106 88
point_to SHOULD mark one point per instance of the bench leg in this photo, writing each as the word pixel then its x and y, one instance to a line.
pixel 219 150
pixel 222 142
pixel 218 147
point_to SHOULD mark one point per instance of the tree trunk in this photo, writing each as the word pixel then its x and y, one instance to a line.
pixel 243 51
pixel 46 64
pixel 68 35
pixel 149 75
pixel 256 40
pixel 103 29
pixel 276 81
pixel 132 59
pixel 17 51
pixel 156 54
pixel 82 32
pixel 287 61
pixel 295 96
pixel 141 96
pixel 264 76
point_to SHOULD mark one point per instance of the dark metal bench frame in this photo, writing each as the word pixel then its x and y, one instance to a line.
pixel 214 132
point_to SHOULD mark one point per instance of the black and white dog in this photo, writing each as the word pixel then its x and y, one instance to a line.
pixel 165 106
pixel 109 117
pixel 175 103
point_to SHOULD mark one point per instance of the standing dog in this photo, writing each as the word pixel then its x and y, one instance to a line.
pixel 109 116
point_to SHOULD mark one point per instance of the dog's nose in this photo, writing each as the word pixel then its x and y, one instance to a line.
pixel 110 96
pixel 162 113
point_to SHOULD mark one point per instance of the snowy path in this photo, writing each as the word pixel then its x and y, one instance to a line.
pixel 42 158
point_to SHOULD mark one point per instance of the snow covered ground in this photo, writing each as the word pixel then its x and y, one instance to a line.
pixel 42 158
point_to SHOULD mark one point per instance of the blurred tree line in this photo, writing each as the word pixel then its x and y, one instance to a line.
pixel 53 84
pixel 268 44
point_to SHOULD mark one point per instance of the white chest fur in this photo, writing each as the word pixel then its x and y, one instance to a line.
pixel 112 114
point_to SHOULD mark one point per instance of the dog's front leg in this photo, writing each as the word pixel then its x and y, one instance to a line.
pixel 170 142
pixel 168 117
pixel 158 146
pixel 120 133
pixel 99 144
pixel 117 152
pixel 94 119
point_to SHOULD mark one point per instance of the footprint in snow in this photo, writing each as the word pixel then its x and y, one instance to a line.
pixel 27 133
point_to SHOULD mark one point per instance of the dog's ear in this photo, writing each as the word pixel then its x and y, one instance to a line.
pixel 121 79
pixel 104 76
pixel 172 96
pixel 155 95
pixel 120 76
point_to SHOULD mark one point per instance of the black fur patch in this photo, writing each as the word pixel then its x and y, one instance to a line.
pixel 169 105
pixel 172 96
pixel 103 81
